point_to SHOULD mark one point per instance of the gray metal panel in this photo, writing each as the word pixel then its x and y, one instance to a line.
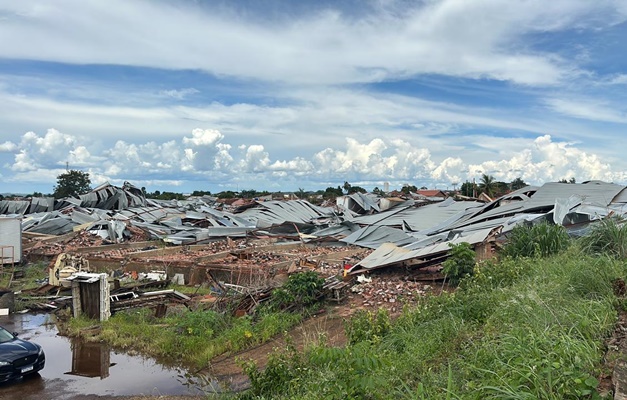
pixel 621 197
pixel 41 204
pixel 13 206
pixel 364 201
pixel 341 230
pixel 82 217
pixel 592 192
pixel 544 198
pixel 382 218
pixel 279 212
pixel 374 236
pixel 389 253
pixel 420 218
pixel 56 226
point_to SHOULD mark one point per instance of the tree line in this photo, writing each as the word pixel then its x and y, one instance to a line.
pixel 75 182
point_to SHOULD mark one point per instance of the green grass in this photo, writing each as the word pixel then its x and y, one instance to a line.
pixel 192 290
pixel 195 337
pixel 530 325
pixel 189 337
pixel 32 273
pixel 526 328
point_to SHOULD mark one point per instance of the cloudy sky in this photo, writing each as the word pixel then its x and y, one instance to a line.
pixel 281 95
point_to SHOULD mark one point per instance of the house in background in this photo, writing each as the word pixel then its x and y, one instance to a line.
pixel 431 193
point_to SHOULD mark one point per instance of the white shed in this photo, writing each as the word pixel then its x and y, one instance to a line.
pixel 10 239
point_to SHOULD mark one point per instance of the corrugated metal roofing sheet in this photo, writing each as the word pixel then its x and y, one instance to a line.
pixel 341 230
pixel 278 212
pixel 373 236
pixel 621 197
pixel 542 200
pixel 14 206
pixel 194 219
pixel 389 253
pixel 56 226
pixel 592 192
pixel 420 218
pixel 365 202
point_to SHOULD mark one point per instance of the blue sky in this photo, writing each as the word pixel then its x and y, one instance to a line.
pixel 282 95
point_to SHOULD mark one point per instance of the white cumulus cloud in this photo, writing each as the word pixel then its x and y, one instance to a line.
pixel 207 156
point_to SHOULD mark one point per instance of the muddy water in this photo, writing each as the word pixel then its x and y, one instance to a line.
pixel 75 368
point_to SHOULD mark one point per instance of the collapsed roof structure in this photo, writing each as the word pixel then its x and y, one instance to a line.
pixel 413 232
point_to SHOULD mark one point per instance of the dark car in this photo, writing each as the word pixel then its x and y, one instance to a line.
pixel 18 357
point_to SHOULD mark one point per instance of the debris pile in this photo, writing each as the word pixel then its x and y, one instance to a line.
pixel 248 247
pixel 389 292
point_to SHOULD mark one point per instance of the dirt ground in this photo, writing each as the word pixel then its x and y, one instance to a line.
pixel 327 326
pixel 616 352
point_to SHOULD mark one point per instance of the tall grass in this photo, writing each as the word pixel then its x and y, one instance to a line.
pixel 528 328
pixel 539 240
pixel 608 237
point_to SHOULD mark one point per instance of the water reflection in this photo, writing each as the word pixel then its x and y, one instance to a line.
pixel 74 367
pixel 90 360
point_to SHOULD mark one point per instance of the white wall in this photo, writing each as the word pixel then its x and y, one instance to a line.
pixel 10 239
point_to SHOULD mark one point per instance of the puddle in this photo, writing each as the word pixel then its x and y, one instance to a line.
pixel 78 368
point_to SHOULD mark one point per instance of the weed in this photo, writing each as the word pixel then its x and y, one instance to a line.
pixel 282 368
pixel 202 323
pixel 367 326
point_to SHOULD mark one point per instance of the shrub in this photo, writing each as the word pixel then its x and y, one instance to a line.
pixel 300 290
pixel 460 263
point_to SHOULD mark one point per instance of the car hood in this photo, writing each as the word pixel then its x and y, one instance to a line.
pixel 16 348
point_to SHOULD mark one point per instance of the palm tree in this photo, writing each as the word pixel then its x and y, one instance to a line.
pixel 487 184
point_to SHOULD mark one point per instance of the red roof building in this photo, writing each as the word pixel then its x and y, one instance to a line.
pixel 431 193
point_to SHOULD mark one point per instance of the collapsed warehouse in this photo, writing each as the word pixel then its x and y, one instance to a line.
pixel 249 247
